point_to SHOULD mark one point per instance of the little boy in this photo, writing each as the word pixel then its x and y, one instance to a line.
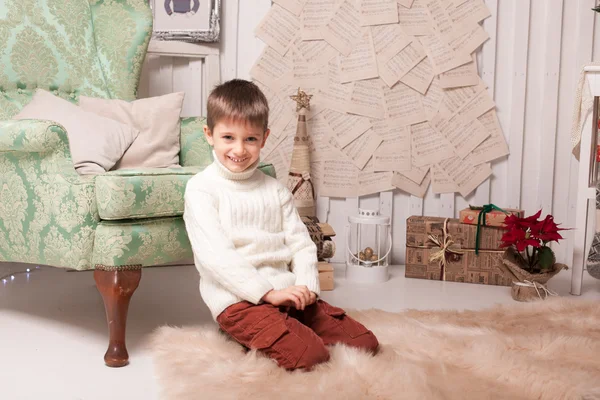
pixel 257 263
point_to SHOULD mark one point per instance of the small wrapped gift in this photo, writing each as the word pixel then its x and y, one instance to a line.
pixel 419 228
pixel 444 249
pixel 494 216
pixel 325 276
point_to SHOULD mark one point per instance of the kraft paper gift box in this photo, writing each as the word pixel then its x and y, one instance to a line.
pixel 419 228
pixel 425 238
pixel 325 276
pixel 492 218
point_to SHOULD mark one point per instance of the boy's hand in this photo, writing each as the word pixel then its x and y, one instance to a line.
pixel 293 296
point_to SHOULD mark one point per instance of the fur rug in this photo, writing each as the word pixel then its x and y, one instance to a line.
pixel 540 350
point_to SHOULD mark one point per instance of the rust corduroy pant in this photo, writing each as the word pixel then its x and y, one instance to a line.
pixel 294 338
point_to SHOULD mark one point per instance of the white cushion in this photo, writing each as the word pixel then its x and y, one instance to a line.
pixel 157 119
pixel 96 143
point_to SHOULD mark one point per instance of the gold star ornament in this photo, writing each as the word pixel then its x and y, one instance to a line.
pixel 302 100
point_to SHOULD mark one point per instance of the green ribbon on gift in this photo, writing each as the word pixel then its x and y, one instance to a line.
pixel 481 220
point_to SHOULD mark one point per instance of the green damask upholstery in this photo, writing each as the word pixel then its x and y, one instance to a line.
pixel 121 31
pixel 145 242
pixel 48 44
pixel 48 211
pixel 195 150
pixel 147 193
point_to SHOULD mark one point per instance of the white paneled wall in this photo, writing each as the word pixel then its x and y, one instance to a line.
pixel 531 64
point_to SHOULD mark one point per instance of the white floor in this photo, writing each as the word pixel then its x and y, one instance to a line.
pixel 53 332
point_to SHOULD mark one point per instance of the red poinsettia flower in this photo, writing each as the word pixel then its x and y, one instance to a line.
pixel 547 230
pixel 524 232
pixel 514 221
pixel 519 238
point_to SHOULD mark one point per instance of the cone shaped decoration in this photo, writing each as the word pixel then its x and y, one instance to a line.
pixel 299 181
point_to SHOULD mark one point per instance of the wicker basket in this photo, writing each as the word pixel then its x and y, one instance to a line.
pixel 513 262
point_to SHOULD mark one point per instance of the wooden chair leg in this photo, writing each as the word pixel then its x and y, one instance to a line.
pixel 116 288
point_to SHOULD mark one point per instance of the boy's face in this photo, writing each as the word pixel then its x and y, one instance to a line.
pixel 237 144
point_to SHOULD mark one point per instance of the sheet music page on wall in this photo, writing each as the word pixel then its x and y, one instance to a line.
pixel 495 145
pixel 403 183
pixel 393 154
pixel 469 12
pixel 346 127
pixel 420 77
pixel 377 12
pixel 416 174
pixel 388 40
pixel 465 174
pixel 370 182
pixel 362 148
pixel 428 146
pixel 443 56
pixel 315 52
pixel 315 15
pixel 278 28
pixel 439 15
pixel 415 20
pixel 272 68
pixel 306 75
pixel 403 105
pixel 280 114
pixel 441 182
pixel 339 179
pixel 367 98
pixel 465 75
pixel 320 132
pixel 476 106
pixel 361 62
pixel 464 135
pixel 293 6
pixel 401 63
pixel 454 99
pixel 336 96
pixel 468 38
pixel 343 29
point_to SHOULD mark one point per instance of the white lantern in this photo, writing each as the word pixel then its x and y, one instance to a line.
pixel 368 245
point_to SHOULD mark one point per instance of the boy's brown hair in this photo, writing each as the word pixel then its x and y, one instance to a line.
pixel 239 100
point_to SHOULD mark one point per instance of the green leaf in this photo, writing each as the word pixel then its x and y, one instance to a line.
pixel 545 257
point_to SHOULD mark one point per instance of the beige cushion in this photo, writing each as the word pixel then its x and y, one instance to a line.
pixel 157 119
pixel 96 143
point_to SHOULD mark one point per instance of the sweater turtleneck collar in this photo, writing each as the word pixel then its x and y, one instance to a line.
pixel 234 176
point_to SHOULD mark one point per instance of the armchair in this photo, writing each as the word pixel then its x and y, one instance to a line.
pixel 115 223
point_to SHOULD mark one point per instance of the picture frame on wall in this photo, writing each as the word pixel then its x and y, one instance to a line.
pixel 186 20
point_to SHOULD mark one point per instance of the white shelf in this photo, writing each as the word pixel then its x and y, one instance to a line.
pixel 182 49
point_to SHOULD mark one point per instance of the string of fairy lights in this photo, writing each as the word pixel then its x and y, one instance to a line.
pixel 12 275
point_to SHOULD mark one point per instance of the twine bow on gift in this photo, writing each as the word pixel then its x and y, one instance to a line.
pixel 481 220
pixel 539 288
pixel 445 245
pixel 305 178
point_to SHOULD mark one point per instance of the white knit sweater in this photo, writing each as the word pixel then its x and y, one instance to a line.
pixel 247 237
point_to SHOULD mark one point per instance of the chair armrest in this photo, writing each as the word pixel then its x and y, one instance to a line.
pixel 33 136
pixel 52 212
pixel 45 141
